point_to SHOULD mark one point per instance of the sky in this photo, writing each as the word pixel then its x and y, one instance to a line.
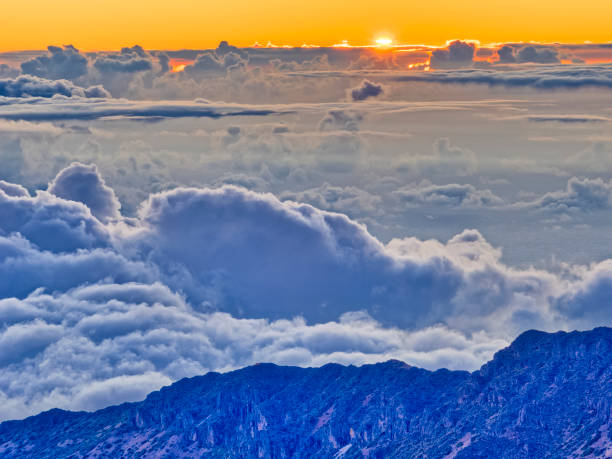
pixel 174 200
pixel 164 24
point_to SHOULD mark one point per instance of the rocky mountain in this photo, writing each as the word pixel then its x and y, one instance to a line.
pixel 546 395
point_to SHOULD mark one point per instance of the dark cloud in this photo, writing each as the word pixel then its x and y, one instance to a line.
pixel 118 63
pixel 31 86
pixel 225 48
pixel 538 55
pixel 553 77
pixel 346 120
pixel 506 54
pixel 128 60
pixel 133 110
pixel 567 119
pixel 365 90
pixel 164 63
pixel 59 63
pixel 456 54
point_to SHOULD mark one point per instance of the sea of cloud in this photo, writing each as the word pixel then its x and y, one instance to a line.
pixel 296 206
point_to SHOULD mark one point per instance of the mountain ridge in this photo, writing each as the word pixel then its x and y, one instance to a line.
pixel 545 395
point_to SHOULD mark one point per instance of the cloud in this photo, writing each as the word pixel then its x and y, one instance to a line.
pixel 6 71
pixel 537 55
pixel 506 54
pixel 81 351
pixel 456 54
pixel 59 63
pixel 589 301
pixel 217 62
pixel 580 195
pixel 213 279
pixel 549 77
pixel 32 86
pixel 445 159
pixel 247 271
pixel 50 222
pixel 365 90
pixel 453 194
pixel 567 119
pixel 596 158
pixel 82 110
pixel 129 60
pixel 346 120
pixel 509 54
pixel 13 189
pixel 343 199
pixel 25 268
pixel 79 182
pixel 25 127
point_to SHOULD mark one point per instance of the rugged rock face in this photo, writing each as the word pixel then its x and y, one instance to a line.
pixel 547 395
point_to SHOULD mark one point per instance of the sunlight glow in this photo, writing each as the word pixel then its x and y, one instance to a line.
pixel 383 42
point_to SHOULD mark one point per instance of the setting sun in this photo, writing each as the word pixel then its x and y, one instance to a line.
pixel 383 41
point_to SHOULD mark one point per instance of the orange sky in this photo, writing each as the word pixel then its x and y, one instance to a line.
pixel 172 24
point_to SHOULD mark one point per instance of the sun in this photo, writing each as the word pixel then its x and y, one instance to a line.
pixel 383 42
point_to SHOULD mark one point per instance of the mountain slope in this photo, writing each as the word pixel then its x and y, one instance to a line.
pixel 546 395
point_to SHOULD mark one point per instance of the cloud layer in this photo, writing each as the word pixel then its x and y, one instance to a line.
pixel 100 309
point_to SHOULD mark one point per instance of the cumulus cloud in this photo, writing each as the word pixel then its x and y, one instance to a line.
pixel 128 60
pixel 217 62
pixel 581 194
pixel 50 222
pixel 456 54
pixel 366 90
pixel 536 54
pixel 59 63
pixel 13 189
pixel 506 55
pixel 79 182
